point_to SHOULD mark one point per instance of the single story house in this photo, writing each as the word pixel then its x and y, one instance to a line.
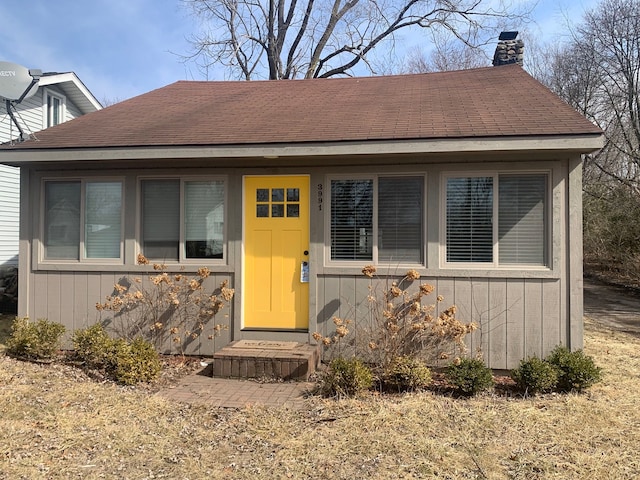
pixel 287 189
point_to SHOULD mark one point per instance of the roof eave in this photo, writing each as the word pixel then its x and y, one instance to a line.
pixel 579 144
pixel 74 88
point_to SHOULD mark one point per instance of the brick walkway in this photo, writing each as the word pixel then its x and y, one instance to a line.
pixel 201 388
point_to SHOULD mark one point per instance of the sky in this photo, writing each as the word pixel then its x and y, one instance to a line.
pixel 123 48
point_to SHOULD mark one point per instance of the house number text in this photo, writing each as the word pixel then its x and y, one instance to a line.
pixel 320 197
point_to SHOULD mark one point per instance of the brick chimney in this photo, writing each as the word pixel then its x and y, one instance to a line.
pixel 509 50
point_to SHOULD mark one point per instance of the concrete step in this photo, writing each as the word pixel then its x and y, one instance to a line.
pixel 258 359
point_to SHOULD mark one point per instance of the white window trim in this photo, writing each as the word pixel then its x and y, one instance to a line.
pixel 83 259
pixel 46 92
pixel 182 259
pixel 495 265
pixel 328 262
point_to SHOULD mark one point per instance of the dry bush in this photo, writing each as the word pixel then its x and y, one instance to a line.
pixel 401 323
pixel 170 309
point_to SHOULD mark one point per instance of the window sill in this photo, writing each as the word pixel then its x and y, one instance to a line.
pixel 129 268
pixel 445 272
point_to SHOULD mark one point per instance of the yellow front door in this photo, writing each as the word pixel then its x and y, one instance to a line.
pixel 276 252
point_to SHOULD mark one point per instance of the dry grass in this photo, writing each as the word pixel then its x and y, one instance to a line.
pixel 57 423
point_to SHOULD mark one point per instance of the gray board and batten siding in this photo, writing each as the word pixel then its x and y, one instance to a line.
pixel 520 311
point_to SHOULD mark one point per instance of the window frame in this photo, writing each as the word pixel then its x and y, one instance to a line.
pixel 82 257
pixel 46 113
pixel 182 257
pixel 329 262
pixel 495 263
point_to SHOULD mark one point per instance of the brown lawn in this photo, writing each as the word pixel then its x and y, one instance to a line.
pixel 57 423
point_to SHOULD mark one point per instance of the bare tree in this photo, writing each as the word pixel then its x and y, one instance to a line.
pixel 448 54
pixel 598 73
pixel 108 101
pixel 285 39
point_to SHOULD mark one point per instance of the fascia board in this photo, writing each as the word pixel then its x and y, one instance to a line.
pixel 573 144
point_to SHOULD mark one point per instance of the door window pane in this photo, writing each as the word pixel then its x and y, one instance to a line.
pixel 293 210
pixel 262 195
pixel 277 210
pixel 277 195
pixel 62 220
pixel 262 211
pixel 103 223
pixel 293 195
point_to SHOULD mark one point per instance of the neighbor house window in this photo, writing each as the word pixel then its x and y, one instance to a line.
pixel 182 219
pixel 377 219
pixel 498 219
pixel 82 220
pixel 53 109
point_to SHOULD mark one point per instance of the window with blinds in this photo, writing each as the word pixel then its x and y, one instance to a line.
pixel 82 216
pixel 103 219
pixel 182 219
pixel 499 219
pixel 351 219
pixel 469 219
pixel 400 214
pixel 378 219
pixel 203 219
pixel 62 206
pixel 161 219
pixel 522 219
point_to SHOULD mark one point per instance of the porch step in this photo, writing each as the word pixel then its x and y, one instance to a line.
pixel 256 359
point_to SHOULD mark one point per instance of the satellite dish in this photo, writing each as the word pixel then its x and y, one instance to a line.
pixel 18 82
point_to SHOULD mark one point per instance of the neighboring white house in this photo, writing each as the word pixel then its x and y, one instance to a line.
pixel 60 97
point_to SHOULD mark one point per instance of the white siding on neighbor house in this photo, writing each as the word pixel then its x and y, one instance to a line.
pixel 71 111
pixel 9 215
pixel 29 116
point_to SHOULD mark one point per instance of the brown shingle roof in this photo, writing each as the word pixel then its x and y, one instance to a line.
pixel 484 102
